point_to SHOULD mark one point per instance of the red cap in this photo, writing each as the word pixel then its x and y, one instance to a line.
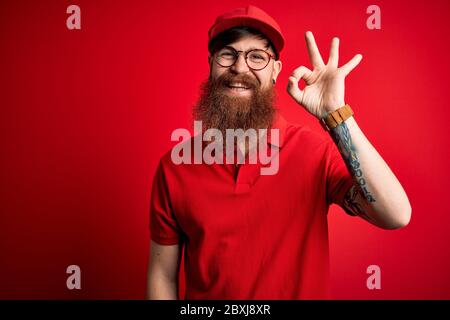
pixel 252 17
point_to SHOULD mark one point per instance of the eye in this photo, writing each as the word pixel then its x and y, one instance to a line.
pixel 226 54
pixel 255 56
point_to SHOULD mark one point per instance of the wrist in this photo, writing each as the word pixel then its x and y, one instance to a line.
pixel 331 108
pixel 335 118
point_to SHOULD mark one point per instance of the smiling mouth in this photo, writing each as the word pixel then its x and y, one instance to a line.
pixel 238 87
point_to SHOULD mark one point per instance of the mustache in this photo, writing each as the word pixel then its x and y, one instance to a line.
pixel 227 79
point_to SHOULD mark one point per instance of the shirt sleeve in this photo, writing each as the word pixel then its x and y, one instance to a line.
pixel 339 179
pixel 164 228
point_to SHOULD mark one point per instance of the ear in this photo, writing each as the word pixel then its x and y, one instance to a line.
pixel 277 66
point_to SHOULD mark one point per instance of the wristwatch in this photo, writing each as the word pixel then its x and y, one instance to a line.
pixel 335 118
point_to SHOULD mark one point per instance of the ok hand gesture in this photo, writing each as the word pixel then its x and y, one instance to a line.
pixel 325 87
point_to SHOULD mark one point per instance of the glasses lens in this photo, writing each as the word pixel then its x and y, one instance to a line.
pixel 226 57
pixel 258 59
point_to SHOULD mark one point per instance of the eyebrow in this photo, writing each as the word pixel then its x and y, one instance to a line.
pixel 251 48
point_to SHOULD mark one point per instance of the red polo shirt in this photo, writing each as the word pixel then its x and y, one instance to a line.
pixel 253 236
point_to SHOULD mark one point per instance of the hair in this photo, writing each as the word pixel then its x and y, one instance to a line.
pixel 235 34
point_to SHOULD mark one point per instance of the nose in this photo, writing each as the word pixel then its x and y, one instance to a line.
pixel 240 66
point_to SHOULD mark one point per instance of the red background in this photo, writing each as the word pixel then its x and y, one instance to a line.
pixel 86 114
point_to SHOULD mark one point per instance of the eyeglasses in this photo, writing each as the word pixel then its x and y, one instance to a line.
pixel 256 59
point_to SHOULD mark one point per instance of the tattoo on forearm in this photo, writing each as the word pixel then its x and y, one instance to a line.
pixel 352 205
pixel 342 138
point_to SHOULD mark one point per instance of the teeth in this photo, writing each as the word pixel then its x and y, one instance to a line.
pixel 238 85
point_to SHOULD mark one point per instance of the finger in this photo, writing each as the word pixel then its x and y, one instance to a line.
pixel 301 72
pixel 313 51
pixel 293 88
pixel 349 66
pixel 333 59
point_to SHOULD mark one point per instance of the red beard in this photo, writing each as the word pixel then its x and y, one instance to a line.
pixel 216 109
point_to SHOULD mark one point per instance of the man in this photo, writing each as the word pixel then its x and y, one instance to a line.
pixel 253 236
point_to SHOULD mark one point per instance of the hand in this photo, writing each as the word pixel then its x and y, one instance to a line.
pixel 325 87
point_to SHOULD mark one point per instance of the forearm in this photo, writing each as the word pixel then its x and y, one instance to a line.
pixel 159 288
pixel 381 197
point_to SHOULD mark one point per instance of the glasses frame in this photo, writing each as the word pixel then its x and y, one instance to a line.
pixel 236 57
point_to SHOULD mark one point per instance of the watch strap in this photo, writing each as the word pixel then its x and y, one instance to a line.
pixel 335 118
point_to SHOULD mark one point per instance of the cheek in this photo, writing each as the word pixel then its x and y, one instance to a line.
pixel 217 72
pixel 264 79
